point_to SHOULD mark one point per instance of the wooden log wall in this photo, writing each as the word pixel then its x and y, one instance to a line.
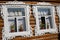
pixel 32 23
pixel 1 26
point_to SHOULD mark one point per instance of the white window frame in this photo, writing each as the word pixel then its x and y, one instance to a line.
pixel 26 33
pixel 43 31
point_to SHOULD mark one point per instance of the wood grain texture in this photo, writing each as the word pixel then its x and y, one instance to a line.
pixel 57 20
pixel 33 23
pixel 1 26
pixel 33 0
pixel 43 37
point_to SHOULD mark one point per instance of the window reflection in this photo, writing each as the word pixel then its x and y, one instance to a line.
pixel 43 11
pixel 21 24
pixel 45 20
pixel 42 23
pixel 12 25
pixel 16 11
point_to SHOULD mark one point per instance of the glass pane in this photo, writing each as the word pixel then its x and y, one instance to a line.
pixel 43 11
pixel 21 24
pixel 16 11
pixel 42 24
pixel 49 22
pixel 12 25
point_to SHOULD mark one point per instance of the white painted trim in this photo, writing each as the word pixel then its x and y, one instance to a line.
pixel 43 31
pixel 6 32
pixel 15 2
pixel 44 3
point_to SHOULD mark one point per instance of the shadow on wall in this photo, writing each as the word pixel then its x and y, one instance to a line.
pixel 59 36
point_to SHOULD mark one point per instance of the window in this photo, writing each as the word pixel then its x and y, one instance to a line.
pixel 16 20
pixel 45 19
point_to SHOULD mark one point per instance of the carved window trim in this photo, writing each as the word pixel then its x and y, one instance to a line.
pixel 43 31
pixel 6 33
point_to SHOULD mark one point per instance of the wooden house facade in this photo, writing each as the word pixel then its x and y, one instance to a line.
pixel 32 21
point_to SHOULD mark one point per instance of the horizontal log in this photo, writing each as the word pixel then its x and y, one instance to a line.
pixel 32 19
pixel 1 29
pixel 1 20
pixel 32 23
pixel 32 26
pixel 57 21
pixel 1 24
pixel 31 16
